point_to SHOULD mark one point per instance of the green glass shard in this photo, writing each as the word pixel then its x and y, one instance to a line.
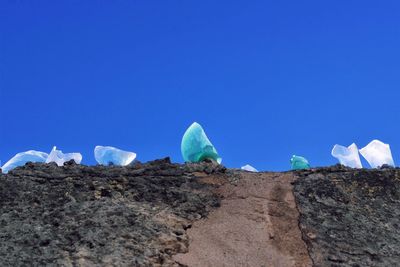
pixel 196 147
pixel 299 163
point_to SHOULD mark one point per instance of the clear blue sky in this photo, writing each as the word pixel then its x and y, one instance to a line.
pixel 266 79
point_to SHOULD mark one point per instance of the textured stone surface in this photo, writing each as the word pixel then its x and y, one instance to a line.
pixel 350 217
pixel 100 216
pixel 200 214
pixel 256 225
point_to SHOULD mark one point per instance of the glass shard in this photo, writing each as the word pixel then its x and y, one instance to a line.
pixel 108 155
pixel 347 156
pixel 58 157
pixel 21 158
pixel 377 154
pixel 299 163
pixel 196 147
pixel 249 168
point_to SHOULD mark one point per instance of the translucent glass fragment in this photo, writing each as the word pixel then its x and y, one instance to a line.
pixel 347 156
pixel 377 154
pixel 21 158
pixel 196 147
pixel 108 155
pixel 249 168
pixel 299 163
pixel 58 157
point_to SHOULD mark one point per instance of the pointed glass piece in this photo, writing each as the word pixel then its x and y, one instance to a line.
pixel 299 163
pixel 377 154
pixel 108 155
pixel 58 157
pixel 196 147
pixel 21 158
pixel 249 168
pixel 347 156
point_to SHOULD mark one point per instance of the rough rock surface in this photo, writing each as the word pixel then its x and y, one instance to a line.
pixel 350 217
pixel 164 214
pixel 256 225
pixel 100 216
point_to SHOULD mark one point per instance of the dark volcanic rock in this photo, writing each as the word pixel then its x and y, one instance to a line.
pixel 350 217
pixel 140 215
pixel 77 215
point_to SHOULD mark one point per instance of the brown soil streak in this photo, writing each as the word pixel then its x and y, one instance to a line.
pixel 256 225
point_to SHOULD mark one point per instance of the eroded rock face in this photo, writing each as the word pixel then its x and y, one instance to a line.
pixel 201 214
pixel 256 225
pixel 350 217
pixel 101 216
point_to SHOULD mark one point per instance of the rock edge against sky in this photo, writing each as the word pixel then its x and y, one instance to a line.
pixel 165 214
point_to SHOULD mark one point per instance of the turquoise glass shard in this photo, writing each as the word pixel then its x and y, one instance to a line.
pixel 21 158
pixel 299 163
pixel 196 147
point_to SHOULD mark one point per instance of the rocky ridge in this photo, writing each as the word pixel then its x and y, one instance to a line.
pixel 77 215
pixel 165 214
pixel 350 217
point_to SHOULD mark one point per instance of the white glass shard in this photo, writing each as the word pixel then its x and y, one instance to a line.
pixel 107 155
pixel 377 154
pixel 58 157
pixel 347 156
pixel 21 158
pixel 249 168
